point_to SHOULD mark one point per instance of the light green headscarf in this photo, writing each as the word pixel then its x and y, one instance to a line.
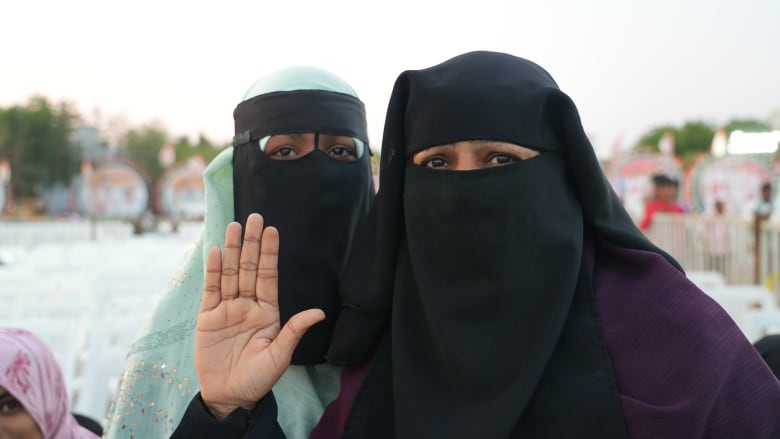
pixel 159 380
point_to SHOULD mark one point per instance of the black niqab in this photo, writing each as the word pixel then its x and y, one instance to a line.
pixel 494 330
pixel 314 201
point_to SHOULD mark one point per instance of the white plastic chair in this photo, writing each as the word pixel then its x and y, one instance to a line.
pixel 743 303
pixel 109 342
pixel 760 323
pixel 706 280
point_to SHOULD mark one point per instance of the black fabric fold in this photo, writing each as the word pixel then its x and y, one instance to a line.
pixel 198 422
pixel 769 348
pixel 577 395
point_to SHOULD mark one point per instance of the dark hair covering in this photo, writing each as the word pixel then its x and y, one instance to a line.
pixel 494 330
pixel 664 180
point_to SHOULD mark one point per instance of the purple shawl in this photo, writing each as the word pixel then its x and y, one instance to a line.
pixel 683 367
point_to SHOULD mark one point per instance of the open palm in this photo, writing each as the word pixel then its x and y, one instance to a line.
pixel 241 349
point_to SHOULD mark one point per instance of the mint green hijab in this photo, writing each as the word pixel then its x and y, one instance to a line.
pixel 159 379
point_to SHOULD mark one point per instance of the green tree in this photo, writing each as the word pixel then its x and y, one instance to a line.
pixel 204 148
pixel 690 140
pixel 747 125
pixel 143 145
pixel 35 138
pixel 648 143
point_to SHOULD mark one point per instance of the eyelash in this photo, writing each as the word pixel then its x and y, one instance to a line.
pixel 427 162
pixel 288 149
pixel 346 150
pixel 338 150
pixel 509 159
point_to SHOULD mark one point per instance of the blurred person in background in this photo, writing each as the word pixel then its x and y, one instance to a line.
pixel 761 215
pixel 763 209
pixel 715 236
pixel 34 403
pixel 664 199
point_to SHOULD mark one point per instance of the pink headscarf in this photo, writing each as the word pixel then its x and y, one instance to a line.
pixel 29 372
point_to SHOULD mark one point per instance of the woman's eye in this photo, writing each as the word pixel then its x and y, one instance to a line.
pixel 9 406
pixel 284 152
pixel 341 152
pixel 435 162
pixel 501 159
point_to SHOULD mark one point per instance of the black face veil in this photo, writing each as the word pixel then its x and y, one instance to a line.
pixel 481 274
pixel 314 201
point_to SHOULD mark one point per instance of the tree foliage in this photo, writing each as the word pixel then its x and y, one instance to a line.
pixel 41 141
pixel 204 148
pixel 693 138
pixel 649 141
pixel 747 125
pixel 143 145
pixel 35 138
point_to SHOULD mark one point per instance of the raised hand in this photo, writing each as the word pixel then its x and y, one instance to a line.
pixel 240 349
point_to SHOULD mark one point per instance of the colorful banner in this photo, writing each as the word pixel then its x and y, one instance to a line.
pixel 113 189
pixel 631 177
pixel 180 192
pixel 733 179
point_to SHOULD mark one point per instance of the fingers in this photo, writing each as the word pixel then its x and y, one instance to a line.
pixel 230 258
pixel 211 288
pixel 267 271
pixel 250 252
pixel 284 344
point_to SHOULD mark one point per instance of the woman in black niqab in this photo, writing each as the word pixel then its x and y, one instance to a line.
pixel 482 273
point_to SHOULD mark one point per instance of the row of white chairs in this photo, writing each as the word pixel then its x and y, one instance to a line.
pixel 87 300
pixel 74 230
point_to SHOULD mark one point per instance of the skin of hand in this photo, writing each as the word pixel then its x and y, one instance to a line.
pixel 241 350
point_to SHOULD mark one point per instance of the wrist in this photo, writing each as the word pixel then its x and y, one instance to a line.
pixel 221 411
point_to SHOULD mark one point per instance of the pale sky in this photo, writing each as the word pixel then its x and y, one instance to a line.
pixel 628 65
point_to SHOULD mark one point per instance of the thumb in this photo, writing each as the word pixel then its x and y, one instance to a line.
pixel 284 344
